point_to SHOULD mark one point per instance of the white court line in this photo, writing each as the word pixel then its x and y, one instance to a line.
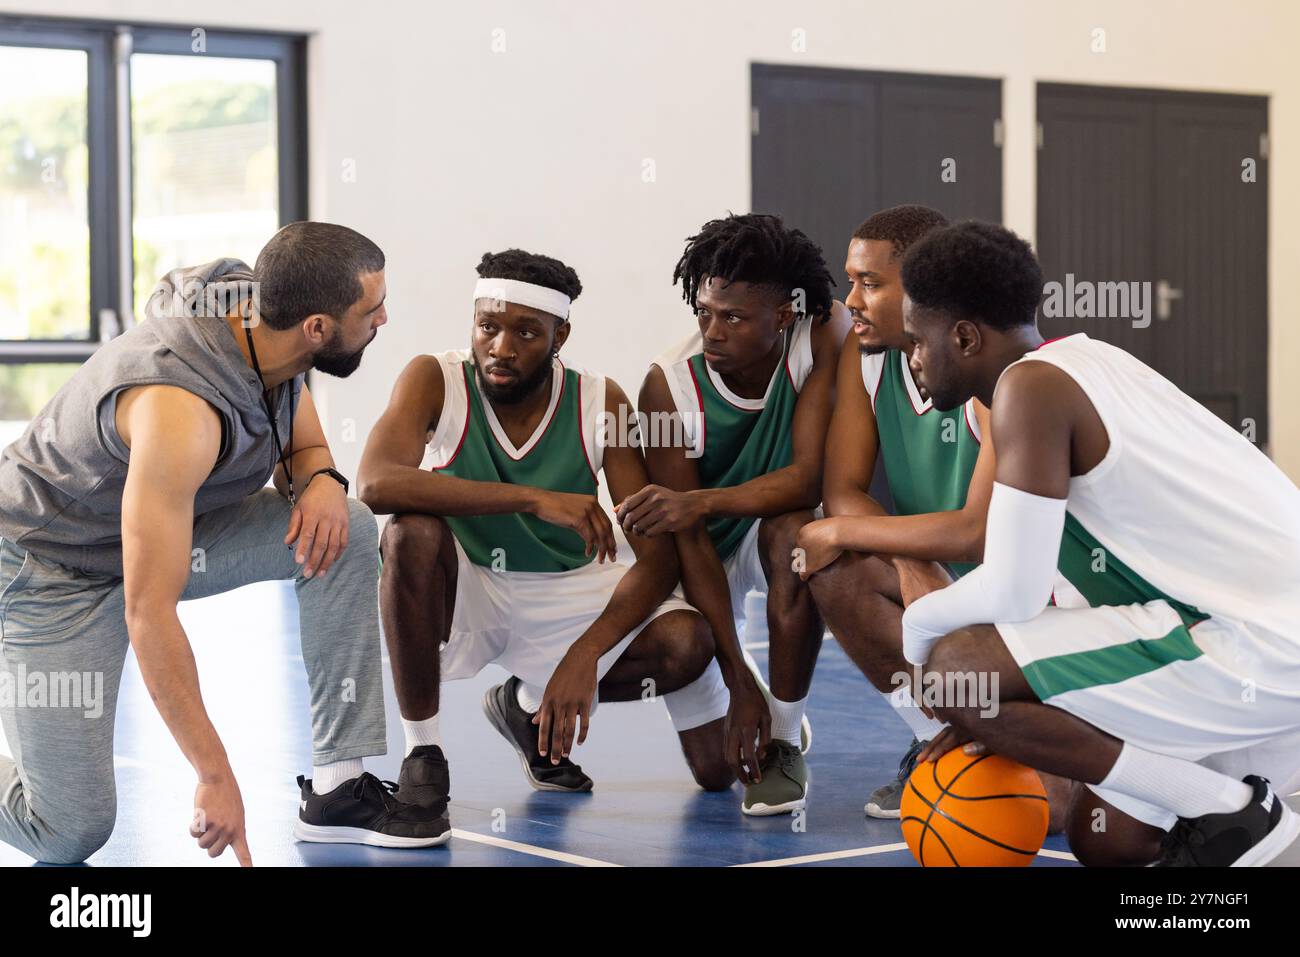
pixel 866 851
pixel 529 849
pixel 1058 855
pixel 829 856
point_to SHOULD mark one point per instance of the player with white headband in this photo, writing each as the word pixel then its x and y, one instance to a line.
pixel 499 551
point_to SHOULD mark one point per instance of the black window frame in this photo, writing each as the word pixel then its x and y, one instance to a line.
pixel 107 220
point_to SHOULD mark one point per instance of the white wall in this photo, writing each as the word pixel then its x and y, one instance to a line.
pixel 458 149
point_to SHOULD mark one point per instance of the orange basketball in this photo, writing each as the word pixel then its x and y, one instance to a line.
pixel 974 811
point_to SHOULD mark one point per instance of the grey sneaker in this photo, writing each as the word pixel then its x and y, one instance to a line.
pixel 784 787
pixel 885 800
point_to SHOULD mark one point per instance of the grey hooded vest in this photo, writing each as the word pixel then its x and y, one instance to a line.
pixel 61 481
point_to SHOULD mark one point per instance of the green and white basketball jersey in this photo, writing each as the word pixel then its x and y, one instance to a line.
pixel 563 455
pixel 733 439
pixel 929 455
pixel 1182 507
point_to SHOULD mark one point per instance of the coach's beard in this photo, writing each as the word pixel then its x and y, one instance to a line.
pixel 333 361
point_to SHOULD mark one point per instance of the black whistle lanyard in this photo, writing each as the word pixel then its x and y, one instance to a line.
pixel 270 414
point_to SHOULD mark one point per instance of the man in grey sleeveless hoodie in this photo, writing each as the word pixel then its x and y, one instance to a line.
pixel 143 483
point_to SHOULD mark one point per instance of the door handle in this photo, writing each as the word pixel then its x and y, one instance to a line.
pixel 1165 295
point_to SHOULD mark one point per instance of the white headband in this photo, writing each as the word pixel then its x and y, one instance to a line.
pixel 525 294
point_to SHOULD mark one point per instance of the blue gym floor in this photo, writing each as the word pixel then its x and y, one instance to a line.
pixel 645 809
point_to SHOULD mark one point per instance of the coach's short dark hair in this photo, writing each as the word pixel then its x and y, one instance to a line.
pixel 975 270
pixel 900 226
pixel 310 267
pixel 760 249
pixel 523 266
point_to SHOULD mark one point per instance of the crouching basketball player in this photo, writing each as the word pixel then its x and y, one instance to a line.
pixel 500 551
pixel 753 388
pixel 869 565
pixel 1168 679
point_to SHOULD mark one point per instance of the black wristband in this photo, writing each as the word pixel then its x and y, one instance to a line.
pixel 332 473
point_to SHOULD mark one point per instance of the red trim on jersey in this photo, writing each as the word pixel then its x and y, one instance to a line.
pixel 875 393
pixel 965 414
pixel 1048 342
pixel 539 435
pixel 907 366
pixel 723 397
pixel 700 398
pixel 464 429
pixel 582 433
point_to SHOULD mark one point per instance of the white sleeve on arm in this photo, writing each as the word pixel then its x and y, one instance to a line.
pixel 1022 542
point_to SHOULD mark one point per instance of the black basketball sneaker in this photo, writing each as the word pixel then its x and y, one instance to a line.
pixel 1251 837
pixel 365 810
pixel 425 779
pixel 501 705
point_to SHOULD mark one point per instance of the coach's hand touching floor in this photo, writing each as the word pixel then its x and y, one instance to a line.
pixel 167 466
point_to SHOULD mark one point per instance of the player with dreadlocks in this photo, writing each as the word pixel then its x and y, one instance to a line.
pixel 752 389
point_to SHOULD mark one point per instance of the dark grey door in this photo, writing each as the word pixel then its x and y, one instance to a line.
pixel 1096 221
pixel 1147 186
pixel 815 134
pixel 831 147
pixel 1212 251
pixel 941 144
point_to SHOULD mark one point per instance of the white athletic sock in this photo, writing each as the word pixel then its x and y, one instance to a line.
pixel 904 705
pixel 786 718
pixel 529 697
pixel 327 777
pixel 1183 787
pixel 422 732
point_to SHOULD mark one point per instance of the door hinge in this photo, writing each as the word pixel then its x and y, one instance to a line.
pixel 753 120
pixel 1039 134
pixel 1263 146
pixel 997 132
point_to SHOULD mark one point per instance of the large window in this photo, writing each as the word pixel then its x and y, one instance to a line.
pixel 127 151
pixel 45 244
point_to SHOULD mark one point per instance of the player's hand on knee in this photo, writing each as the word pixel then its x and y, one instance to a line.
pixel 815 547
pixel 318 527
pixel 219 819
pixel 916 579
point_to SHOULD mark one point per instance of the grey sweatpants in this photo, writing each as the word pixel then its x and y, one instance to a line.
pixel 64 631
